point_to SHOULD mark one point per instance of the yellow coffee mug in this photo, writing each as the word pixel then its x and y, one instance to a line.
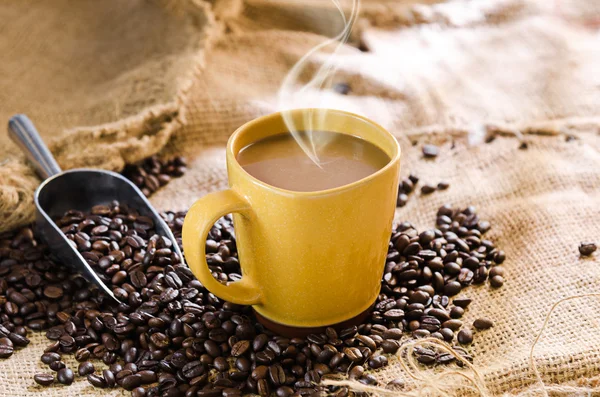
pixel 308 259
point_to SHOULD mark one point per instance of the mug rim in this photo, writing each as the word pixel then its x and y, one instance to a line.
pixel 232 160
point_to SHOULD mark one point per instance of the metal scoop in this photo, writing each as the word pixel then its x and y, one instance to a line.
pixel 78 189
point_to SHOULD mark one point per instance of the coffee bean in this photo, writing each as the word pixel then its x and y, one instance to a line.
pixel 394 314
pixel 425 356
pixel 396 384
pixel 130 382
pixel 483 323
pixel 368 342
pixel 138 279
pixel 240 348
pixel 390 346
pixel 353 354
pixel 452 288
pixel 496 271
pixel 221 364
pixel 193 369
pixel 497 281
pixel 18 340
pixel 443 185
pixel 260 372
pixel 284 391
pixel 277 375
pixel 427 189
pixel 139 392
pixel 49 357
pixel 109 378
pixel 378 362
pixel 462 302
pixel 6 347
pixel 85 368
pixel 231 392
pixel 392 333
pixel 147 376
pixel 263 388
pixel 453 324
pixel 65 376
pixel 586 248
pixel 341 88
pixel 430 151
pixel 457 312
pixel 43 379
pixel 429 323
pixel 97 381
pixel 465 336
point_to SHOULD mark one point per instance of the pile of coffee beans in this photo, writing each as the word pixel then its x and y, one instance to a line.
pixel 425 270
pixel 153 172
pixel 409 184
pixel 172 337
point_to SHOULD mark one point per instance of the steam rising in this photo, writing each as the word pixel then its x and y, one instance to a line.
pixel 310 142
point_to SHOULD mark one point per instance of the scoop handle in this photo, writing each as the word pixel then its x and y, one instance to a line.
pixel 22 131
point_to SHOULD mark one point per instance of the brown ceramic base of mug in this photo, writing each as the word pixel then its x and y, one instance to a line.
pixel 291 332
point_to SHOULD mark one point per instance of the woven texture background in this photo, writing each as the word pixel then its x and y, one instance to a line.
pixel 121 82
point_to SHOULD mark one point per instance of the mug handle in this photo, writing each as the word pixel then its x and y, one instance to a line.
pixel 198 222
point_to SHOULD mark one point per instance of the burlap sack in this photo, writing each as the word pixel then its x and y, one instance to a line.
pixel 449 73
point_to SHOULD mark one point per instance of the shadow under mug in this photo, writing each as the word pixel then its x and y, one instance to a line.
pixel 308 259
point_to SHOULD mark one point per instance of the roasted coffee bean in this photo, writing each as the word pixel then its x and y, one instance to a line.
pixel 277 375
pixel 586 248
pixel 425 356
pixel 465 336
pixel 221 364
pixel 353 354
pixel 394 314
pixel 85 368
pixel 96 381
pixel 109 378
pixel 453 324
pixel 6 347
pixel 49 357
pixel 390 346
pixel 240 348
pixel 396 384
pixel 43 379
pixel 57 365
pixel 82 354
pixel 430 151
pixel 65 376
pixel 284 391
pixel 429 323
pixel 138 279
pixel 378 362
pixel 260 372
pixel 18 340
pixel 130 382
pixel 443 185
pixel 462 302
pixel 427 189
pixel 497 281
pixel 368 342
pixel 140 392
pixel 483 323
pixel 193 369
